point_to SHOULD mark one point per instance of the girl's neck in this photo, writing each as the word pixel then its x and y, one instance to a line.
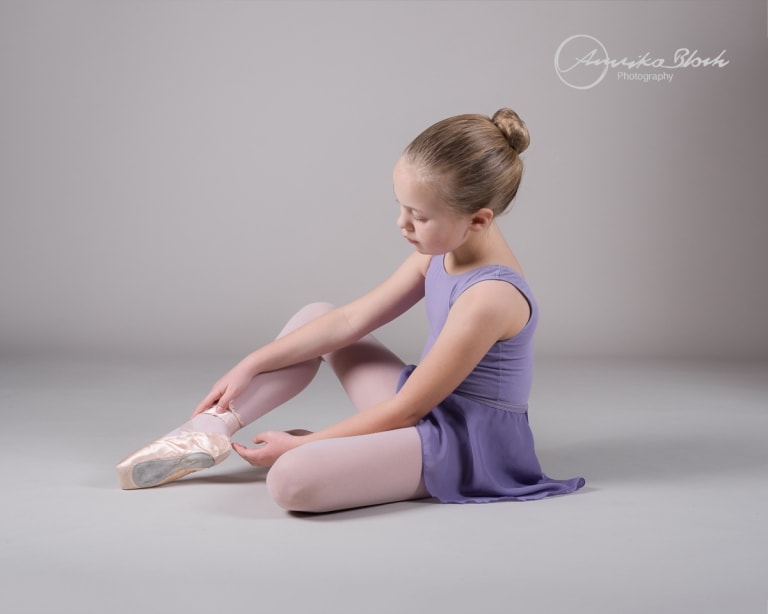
pixel 483 248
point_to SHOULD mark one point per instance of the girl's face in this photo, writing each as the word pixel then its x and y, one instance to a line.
pixel 428 224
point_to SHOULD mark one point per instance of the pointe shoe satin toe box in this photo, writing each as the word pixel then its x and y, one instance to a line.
pixel 169 459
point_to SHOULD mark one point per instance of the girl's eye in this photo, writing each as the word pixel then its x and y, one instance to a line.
pixel 419 219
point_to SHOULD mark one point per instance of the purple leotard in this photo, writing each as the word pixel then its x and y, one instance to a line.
pixel 477 445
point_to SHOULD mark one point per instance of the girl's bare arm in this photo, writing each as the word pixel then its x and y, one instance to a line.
pixel 331 331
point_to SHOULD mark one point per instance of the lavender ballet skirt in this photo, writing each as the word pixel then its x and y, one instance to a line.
pixel 473 452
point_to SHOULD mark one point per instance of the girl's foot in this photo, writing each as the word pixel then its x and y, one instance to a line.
pixel 171 458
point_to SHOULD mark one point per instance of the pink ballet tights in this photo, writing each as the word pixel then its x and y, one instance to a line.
pixel 334 473
pixel 265 392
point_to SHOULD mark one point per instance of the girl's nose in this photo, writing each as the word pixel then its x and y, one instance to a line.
pixel 402 221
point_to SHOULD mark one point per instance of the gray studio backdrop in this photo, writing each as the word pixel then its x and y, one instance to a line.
pixel 179 177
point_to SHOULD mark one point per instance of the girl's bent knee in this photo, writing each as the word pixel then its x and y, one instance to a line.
pixel 291 484
pixel 306 314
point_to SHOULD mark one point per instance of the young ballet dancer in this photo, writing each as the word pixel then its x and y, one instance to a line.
pixel 454 427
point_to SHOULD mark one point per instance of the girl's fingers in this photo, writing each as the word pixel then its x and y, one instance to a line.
pixel 224 401
pixel 251 455
pixel 208 402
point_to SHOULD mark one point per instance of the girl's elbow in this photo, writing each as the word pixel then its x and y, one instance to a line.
pixel 404 415
pixel 399 421
pixel 412 418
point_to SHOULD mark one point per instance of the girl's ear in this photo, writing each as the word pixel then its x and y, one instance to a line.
pixel 481 219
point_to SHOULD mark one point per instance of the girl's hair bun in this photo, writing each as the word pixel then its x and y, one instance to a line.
pixel 513 128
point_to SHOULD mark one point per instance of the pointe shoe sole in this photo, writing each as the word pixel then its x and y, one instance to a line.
pixel 166 460
pixel 155 472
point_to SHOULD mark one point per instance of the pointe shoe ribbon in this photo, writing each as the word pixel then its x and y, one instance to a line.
pixel 230 417
pixel 169 459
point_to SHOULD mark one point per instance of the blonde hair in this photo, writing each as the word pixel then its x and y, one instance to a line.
pixel 473 161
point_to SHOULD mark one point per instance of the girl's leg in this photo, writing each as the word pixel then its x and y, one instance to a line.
pixel 367 370
pixel 266 391
pixel 357 471
pixel 349 472
pixel 204 440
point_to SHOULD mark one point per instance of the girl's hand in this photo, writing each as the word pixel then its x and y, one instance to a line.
pixel 275 444
pixel 227 388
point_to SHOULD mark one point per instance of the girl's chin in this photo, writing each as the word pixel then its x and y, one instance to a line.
pixel 426 252
pixel 423 249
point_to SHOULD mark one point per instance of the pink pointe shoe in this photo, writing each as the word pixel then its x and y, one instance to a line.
pixel 166 460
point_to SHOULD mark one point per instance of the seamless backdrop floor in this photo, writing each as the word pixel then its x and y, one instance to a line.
pixel 672 518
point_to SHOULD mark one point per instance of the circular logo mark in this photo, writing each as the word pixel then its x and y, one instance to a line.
pixel 581 61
